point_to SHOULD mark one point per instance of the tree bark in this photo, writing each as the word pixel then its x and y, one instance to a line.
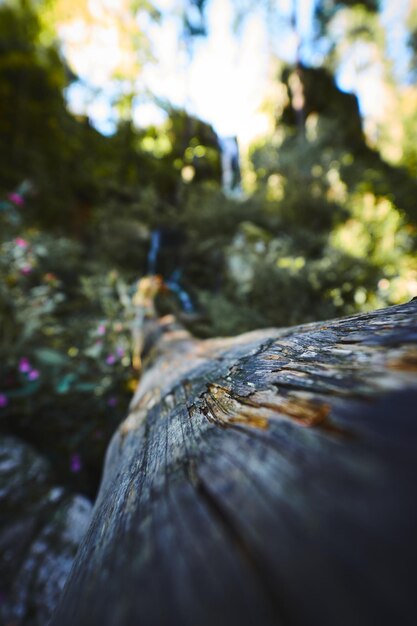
pixel 265 479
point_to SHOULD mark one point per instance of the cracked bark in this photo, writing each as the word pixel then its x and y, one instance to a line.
pixel 265 479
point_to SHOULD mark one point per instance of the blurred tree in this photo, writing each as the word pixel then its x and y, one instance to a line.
pixel 412 26
pixel 326 10
pixel 194 23
pixel 125 48
pixel 39 139
pixel 335 214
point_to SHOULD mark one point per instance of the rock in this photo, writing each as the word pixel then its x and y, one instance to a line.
pixel 41 527
pixel 40 581
pixel 25 481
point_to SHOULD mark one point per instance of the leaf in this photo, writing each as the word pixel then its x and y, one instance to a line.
pixel 65 383
pixel 50 357
pixel 29 389
pixel 94 351
pixel 85 387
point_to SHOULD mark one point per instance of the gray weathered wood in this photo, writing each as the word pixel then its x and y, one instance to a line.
pixel 266 479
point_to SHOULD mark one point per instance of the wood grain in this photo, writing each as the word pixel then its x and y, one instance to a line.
pixel 265 479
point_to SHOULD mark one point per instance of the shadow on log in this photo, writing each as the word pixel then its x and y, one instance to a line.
pixel 265 479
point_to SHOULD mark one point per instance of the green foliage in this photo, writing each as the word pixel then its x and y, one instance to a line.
pixel 327 232
pixel 36 138
pixel 65 347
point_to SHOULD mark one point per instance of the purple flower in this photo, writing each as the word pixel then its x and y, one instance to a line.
pixel 120 352
pixel 101 330
pixel 16 198
pixel 33 375
pixel 111 359
pixel 21 243
pixel 76 464
pixel 24 365
pixel 26 269
pixel 4 401
pixel 112 401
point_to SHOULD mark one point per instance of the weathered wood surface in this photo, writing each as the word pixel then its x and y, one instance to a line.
pixel 267 479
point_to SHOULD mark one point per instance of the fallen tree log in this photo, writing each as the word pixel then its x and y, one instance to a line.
pixel 265 479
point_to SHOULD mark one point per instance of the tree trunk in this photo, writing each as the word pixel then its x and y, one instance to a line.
pixel 265 479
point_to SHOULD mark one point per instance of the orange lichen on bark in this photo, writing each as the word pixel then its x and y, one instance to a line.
pixel 406 361
pixel 222 408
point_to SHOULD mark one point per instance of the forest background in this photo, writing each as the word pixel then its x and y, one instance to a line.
pixel 320 220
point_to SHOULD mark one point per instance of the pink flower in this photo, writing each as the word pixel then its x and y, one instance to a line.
pixel 16 198
pixel 111 359
pixel 21 243
pixel 76 463
pixel 24 365
pixel 3 400
pixel 101 330
pixel 33 375
pixel 26 269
